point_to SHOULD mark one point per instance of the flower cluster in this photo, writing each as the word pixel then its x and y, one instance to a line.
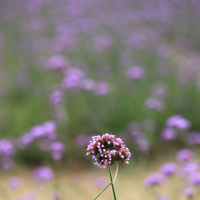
pixel 108 149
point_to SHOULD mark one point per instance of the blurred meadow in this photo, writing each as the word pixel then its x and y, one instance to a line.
pixel 74 69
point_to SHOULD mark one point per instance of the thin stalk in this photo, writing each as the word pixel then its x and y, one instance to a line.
pixel 113 189
pixel 102 191
pixel 116 172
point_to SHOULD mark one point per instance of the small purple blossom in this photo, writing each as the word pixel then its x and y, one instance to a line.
pixel 108 149
pixel 73 78
pixel 56 97
pixel 6 148
pixel 135 73
pixel 194 179
pixel 154 180
pixel 190 168
pixel 185 155
pixel 194 138
pixel 188 192
pixel 43 174
pixel 168 134
pixel 14 182
pixel 168 168
pixel 57 62
pixel 102 88
pixel 155 104
pixel 178 122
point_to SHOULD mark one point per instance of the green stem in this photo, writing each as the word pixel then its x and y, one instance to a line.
pixel 102 191
pixel 116 172
pixel 112 183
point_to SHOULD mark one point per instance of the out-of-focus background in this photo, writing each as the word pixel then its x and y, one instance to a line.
pixel 72 69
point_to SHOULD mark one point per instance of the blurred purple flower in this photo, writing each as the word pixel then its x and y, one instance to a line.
pixel 25 140
pixel 168 134
pixel 6 148
pixel 88 84
pixel 57 149
pixel 14 182
pixel 135 73
pixel 194 179
pixel 57 62
pixel 154 104
pixel 190 168
pixel 185 155
pixel 178 122
pixel 102 88
pixel 188 192
pixel 49 128
pixel 82 140
pixel 154 180
pixel 38 132
pixel 73 78
pixel 194 138
pixel 56 97
pixel 143 144
pixel 43 174
pixel 168 168
pixel 6 163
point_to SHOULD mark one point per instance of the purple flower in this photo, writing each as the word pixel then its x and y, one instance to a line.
pixel 155 104
pixel 88 84
pixel 108 149
pixel 6 163
pixel 102 88
pixel 56 97
pixel 168 169
pixel 194 179
pixel 194 138
pixel 49 129
pixel 82 140
pixel 57 149
pixel 185 155
pixel 57 62
pixel 14 182
pixel 25 140
pixel 168 134
pixel 73 78
pixel 135 73
pixel 188 192
pixel 154 180
pixel 6 148
pixel 43 174
pixel 178 122
pixel 190 168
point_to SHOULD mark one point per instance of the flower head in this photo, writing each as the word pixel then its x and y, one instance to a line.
pixel 154 179
pixel 168 168
pixel 108 149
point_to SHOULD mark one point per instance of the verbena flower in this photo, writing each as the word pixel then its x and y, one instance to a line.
pixel 168 168
pixel 43 174
pixel 185 155
pixel 108 149
pixel 178 122
pixel 188 192
pixel 154 180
